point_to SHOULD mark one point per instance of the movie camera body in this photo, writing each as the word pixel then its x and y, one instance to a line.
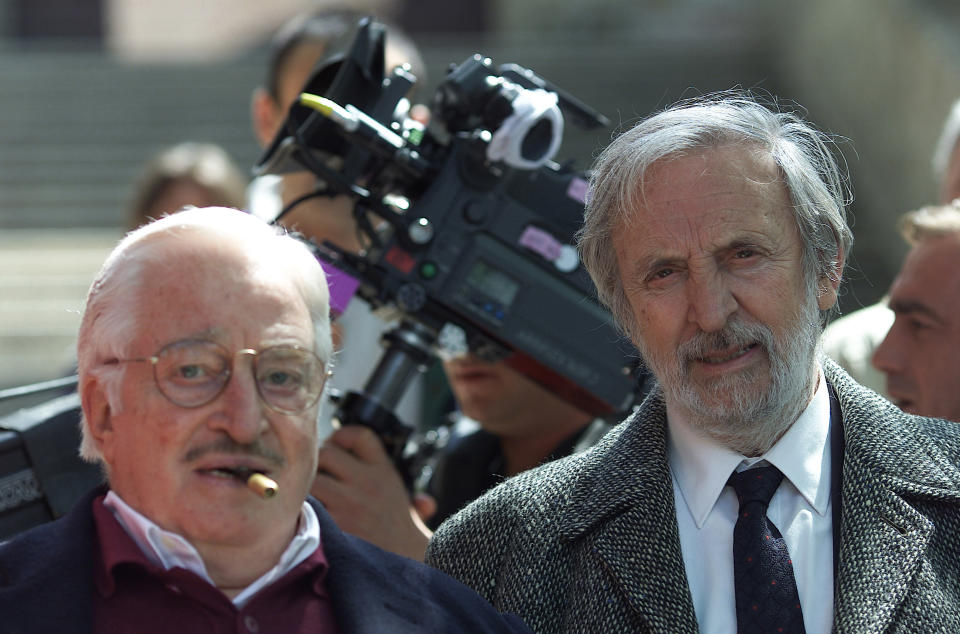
pixel 469 223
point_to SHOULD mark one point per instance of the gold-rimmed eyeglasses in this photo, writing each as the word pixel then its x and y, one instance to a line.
pixel 192 373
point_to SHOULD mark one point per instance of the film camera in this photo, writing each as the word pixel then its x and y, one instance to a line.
pixel 469 226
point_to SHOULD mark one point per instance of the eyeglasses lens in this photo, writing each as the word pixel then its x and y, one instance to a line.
pixel 290 380
pixel 193 373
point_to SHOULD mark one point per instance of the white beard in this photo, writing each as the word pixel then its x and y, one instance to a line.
pixel 750 410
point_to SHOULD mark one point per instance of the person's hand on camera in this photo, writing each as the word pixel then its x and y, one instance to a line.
pixel 360 488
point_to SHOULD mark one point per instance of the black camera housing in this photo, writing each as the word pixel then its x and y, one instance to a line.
pixel 473 242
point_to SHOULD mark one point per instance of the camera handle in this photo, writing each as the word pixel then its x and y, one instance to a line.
pixel 409 349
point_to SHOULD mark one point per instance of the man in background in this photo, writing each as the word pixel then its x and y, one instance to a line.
pixel 919 355
pixel 852 340
pixel 510 424
pixel 295 51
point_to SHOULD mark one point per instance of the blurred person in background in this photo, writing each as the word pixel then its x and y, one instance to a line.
pixel 197 174
pixel 919 355
pixel 852 340
pixel 507 424
pixel 186 174
pixel 295 51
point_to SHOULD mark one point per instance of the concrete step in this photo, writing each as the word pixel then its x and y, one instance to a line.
pixel 44 277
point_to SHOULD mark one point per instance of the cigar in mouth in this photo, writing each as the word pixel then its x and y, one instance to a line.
pixel 257 482
pixel 262 485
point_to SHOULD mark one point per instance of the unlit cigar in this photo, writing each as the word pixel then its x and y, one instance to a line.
pixel 262 485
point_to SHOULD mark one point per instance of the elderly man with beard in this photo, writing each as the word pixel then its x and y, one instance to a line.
pixel 758 488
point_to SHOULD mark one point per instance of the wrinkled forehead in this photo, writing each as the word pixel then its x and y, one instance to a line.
pixel 737 177
pixel 202 285
pixel 735 163
pixel 932 268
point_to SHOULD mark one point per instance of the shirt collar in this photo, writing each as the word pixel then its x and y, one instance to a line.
pixel 701 466
pixel 167 550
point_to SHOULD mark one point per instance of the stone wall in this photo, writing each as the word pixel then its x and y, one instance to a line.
pixel 884 74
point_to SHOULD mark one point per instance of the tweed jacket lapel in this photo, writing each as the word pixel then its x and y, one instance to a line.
pixel 883 538
pixel 622 506
pixel 624 501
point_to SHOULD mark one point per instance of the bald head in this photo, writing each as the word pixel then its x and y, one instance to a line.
pixel 204 246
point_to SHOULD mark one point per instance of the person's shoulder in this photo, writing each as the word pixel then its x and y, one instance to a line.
pixel 942 434
pixel 46 576
pixel 872 422
pixel 542 487
pixel 472 545
pixel 25 553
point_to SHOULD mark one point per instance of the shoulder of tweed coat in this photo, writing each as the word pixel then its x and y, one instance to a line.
pixel 549 544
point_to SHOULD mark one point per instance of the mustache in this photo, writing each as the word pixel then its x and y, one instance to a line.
pixel 227 445
pixel 737 333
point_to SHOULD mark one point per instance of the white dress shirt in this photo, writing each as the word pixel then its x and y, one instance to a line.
pixel 169 550
pixel 800 509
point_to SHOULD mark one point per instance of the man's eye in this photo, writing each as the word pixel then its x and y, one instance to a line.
pixel 192 371
pixel 918 326
pixel 281 378
pixel 743 254
pixel 181 367
pixel 661 274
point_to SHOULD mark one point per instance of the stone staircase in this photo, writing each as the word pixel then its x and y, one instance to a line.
pixel 75 129
pixel 44 277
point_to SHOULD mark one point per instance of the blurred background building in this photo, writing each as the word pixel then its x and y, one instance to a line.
pixel 90 89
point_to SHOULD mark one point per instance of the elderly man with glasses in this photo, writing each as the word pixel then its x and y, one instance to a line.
pixel 203 352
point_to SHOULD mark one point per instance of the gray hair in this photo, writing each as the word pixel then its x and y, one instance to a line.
pixel 108 323
pixel 816 186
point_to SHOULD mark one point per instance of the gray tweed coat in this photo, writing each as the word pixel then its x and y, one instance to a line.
pixel 590 543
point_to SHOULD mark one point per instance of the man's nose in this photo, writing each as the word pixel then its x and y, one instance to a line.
pixel 710 301
pixel 240 409
pixel 888 356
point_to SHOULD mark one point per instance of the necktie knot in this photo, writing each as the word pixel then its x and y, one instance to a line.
pixel 756 485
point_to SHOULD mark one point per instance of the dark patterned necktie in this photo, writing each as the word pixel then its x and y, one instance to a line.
pixel 766 591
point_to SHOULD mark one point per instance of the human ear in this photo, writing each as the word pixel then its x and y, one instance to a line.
pixel 265 113
pixel 829 285
pixel 97 416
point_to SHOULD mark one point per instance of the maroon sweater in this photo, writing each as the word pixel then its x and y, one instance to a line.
pixel 134 595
